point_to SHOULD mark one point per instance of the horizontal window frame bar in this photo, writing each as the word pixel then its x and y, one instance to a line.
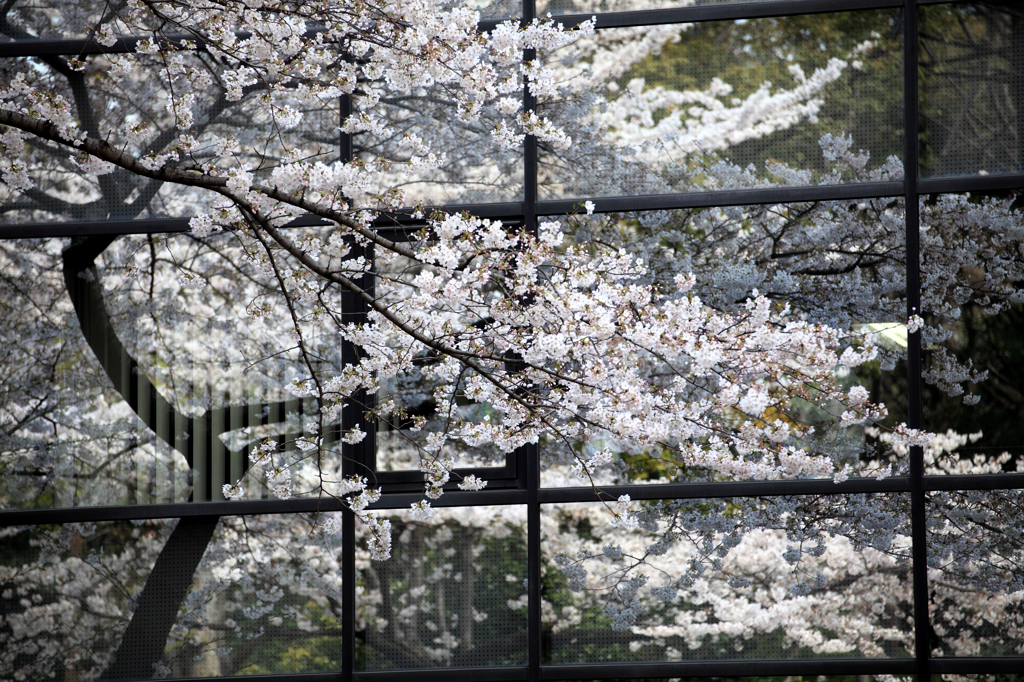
pixel 391 225
pixel 331 676
pixel 960 184
pixel 1007 481
pixel 724 12
pixel 722 668
pixel 729 668
pixel 399 224
pixel 72 47
pixel 474 674
pixel 634 669
pixel 301 505
pixel 94 228
pixel 506 497
pixel 39 47
pixel 734 197
pixel 780 488
pixel 508 211
pixel 726 489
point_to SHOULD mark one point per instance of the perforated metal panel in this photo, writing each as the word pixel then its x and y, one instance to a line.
pixel 470 168
pixel 136 96
pixel 451 595
pixel 972 89
pixel 68 594
pixel 266 598
pixel 972 551
pixel 724 584
pixel 690 101
pixel 188 598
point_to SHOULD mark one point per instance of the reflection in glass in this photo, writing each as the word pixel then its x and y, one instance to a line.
pixel 191 598
pixel 469 167
pixel 972 91
pixel 850 277
pixel 973 314
pixel 123 96
pixel 726 105
pixel 976 557
pixel 452 593
pixel 146 369
pixel 403 438
pixel 723 579
pixel 68 438
pixel 36 19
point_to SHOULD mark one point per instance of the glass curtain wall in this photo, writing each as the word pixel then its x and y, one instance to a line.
pixel 862 161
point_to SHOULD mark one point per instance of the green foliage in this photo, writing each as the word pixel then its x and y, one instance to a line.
pixel 866 101
pixel 972 96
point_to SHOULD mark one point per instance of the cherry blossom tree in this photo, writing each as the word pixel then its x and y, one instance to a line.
pixel 596 344
pixel 705 344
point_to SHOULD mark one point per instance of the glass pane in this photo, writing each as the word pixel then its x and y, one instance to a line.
pixel 34 19
pixel 725 579
pixel 976 585
pixel 839 264
pixel 189 598
pixel 216 338
pixel 122 99
pixel 180 372
pixel 472 168
pixel 405 435
pixel 403 439
pixel 452 593
pixel 67 437
pixel 784 101
pixel 972 91
pixel 973 315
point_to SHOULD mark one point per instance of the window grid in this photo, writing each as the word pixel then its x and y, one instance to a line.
pixel 528 491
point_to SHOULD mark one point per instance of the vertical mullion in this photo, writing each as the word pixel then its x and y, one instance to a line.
pixel 911 169
pixel 345 139
pixel 1017 57
pixel 533 559
pixel 531 453
pixel 348 518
